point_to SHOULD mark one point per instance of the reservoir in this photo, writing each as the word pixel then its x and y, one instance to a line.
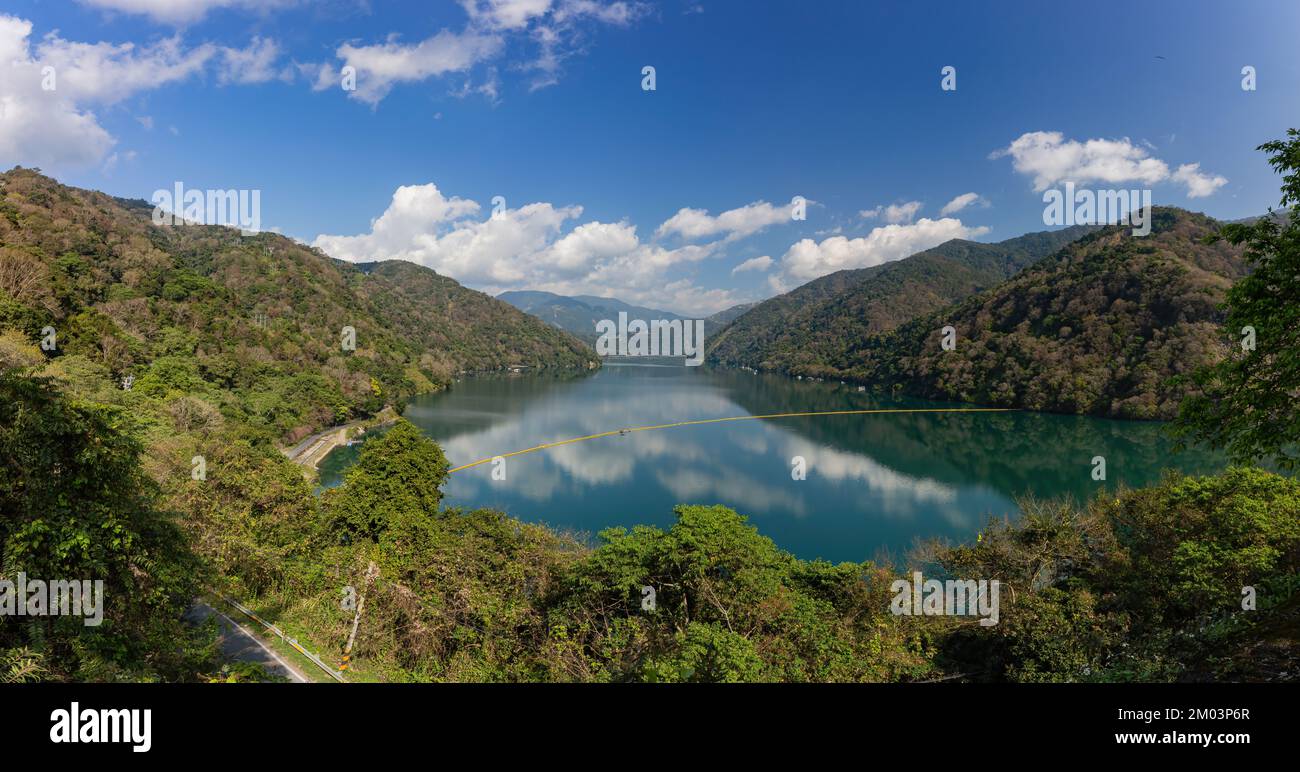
pixel 874 483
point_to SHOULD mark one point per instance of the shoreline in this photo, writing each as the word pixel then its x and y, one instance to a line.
pixel 309 452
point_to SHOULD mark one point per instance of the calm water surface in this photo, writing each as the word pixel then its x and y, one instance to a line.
pixel 875 483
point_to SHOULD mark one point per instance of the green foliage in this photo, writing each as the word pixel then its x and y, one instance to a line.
pixel 1146 585
pixel 1056 635
pixel 398 477
pixel 74 505
pixel 1192 544
pixel 1143 585
pixel 480 596
pixel 1248 404
pixel 20 666
pixel 709 654
pixel 252 520
pixel 171 375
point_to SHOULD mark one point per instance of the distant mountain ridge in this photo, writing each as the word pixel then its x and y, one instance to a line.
pixel 578 314
pixel 727 315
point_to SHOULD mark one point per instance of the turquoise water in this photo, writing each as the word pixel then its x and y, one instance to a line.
pixel 875 483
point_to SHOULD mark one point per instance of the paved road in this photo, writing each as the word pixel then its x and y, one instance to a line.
pixel 239 644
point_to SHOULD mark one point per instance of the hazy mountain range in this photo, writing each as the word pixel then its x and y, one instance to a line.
pixel 578 314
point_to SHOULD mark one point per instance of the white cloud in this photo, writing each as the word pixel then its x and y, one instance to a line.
pixel 552 25
pixel 902 213
pixel 1050 159
pixel 1198 185
pixel 551 53
pixel 531 247
pixel 753 264
pixel 779 284
pixel 618 13
pixel 490 87
pixel 735 223
pixel 57 127
pixel 894 213
pixel 179 12
pixel 591 242
pixel 110 163
pixel 808 259
pixel 254 64
pixel 880 480
pixel 961 202
pixel 105 73
pixel 379 67
pixel 505 14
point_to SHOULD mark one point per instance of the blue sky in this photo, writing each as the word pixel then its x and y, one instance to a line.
pixel 540 102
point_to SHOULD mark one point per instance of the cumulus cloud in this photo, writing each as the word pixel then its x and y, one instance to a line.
pixel 1198 184
pixel 57 127
pixel 808 259
pixel 753 264
pixel 734 223
pixel 961 202
pixel 536 246
pixel 1050 159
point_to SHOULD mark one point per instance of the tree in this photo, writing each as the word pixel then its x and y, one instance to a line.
pixel 398 475
pixel 1247 403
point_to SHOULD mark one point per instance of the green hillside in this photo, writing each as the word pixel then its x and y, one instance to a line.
pixel 248 326
pixel 1099 328
pixel 814 329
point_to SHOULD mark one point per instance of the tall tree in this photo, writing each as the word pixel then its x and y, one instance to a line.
pixel 1247 403
pixel 397 476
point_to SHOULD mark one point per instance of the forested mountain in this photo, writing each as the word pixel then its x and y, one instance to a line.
pixel 813 329
pixel 250 325
pixel 578 314
pixel 1099 328
pixel 713 324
